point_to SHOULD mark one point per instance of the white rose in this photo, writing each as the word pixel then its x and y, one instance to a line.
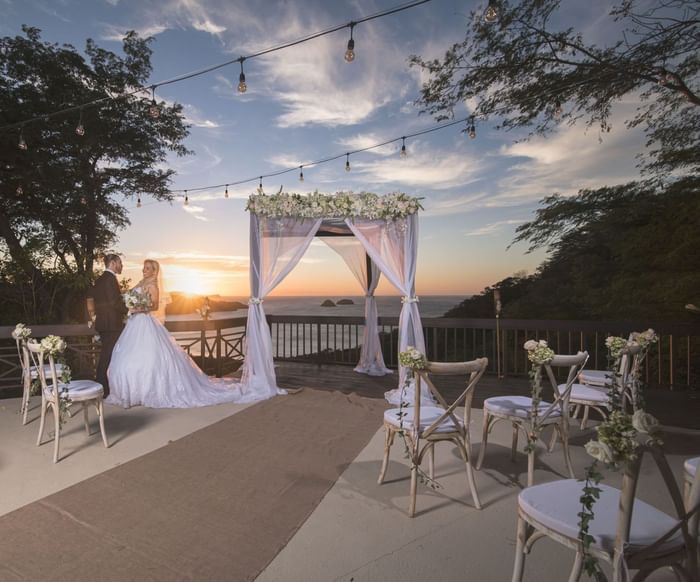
pixel 599 451
pixel 530 345
pixel 644 422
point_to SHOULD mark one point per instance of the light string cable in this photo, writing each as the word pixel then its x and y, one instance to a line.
pixel 153 86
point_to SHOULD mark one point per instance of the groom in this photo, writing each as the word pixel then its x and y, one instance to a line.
pixel 106 307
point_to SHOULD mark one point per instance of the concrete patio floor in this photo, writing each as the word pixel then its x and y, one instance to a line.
pixel 360 532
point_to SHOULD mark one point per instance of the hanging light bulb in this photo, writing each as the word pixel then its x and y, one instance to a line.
pixel 19 190
pixel 21 144
pixel 226 192
pixel 301 173
pixel 80 129
pixel 242 87
pixel 558 109
pixel 138 202
pixel 154 110
pixel 83 200
pixel 260 188
pixel 471 130
pixel 347 162
pixel 404 153
pixel 491 12
pixel 187 200
pixel 350 53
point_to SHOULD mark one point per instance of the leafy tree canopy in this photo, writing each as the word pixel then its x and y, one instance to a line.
pixel 525 71
pixel 62 197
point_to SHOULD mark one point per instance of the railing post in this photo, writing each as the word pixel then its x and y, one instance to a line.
pixel 219 362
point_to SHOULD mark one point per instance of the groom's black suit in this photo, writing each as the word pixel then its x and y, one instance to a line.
pixel 109 320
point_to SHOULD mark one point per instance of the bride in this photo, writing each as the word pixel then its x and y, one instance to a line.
pixel 149 368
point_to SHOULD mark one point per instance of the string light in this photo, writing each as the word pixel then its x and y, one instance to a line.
pixel 471 130
pixel 19 190
pixel 301 173
pixel 226 192
pixel 83 200
pixel 242 87
pixel 21 144
pixel 138 202
pixel 187 200
pixel 350 53
pixel 80 129
pixel 347 162
pixel 154 110
pixel 491 13
pixel 404 153
pixel 260 188
pixel 211 68
pixel 558 109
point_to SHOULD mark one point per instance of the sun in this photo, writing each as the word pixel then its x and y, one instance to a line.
pixel 190 280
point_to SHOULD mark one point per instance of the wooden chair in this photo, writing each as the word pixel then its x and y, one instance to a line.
pixel 29 373
pixel 592 392
pixel 690 469
pixel 628 533
pixel 424 426
pixel 83 392
pixel 519 411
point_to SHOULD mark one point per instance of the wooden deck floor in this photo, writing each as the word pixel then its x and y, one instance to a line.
pixel 672 408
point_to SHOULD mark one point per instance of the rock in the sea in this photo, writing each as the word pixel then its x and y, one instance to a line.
pixel 327 303
pixel 345 302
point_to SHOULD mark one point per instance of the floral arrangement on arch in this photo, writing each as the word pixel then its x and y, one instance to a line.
pixel 392 206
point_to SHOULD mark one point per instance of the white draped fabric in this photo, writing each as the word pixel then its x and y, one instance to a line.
pixel 393 247
pixel 276 246
pixel 353 253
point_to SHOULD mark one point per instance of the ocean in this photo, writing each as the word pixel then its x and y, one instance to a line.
pixel 387 306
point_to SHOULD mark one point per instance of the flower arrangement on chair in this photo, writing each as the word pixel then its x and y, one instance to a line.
pixel 56 346
pixel 539 354
pixel 618 439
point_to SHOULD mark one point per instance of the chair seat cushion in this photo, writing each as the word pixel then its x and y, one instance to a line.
pixel 519 406
pixel 691 466
pixel 594 377
pixel 81 389
pixel 587 393
pixel 428 415
pixel 556 505
pixel 34 371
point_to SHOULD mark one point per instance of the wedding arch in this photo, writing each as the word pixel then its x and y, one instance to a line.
pixel 373 234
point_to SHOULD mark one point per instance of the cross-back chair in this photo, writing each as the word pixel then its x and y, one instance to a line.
pixel 53 391
pixel 592 391
pixel 425 425
pixel 520 412
pixel 627 533
pixel 29 373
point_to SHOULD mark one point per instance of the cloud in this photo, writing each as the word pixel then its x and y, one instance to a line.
pixel 207 26
pixel 195 212
pixel 117 33
pixel 364 140
pixel 492 228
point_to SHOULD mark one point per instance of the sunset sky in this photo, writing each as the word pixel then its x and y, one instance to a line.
pixel 307 103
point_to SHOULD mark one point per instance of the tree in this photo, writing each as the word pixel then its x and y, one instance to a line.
pixel 526 72
pixel 62 197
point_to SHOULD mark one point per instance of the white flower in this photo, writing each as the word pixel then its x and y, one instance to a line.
pixel 21 331
pixel 53 344
pixel 530 345
pixel 615 345
pixel 599 451
pixel 644 422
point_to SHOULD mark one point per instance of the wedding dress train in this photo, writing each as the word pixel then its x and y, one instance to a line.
pixel 149 368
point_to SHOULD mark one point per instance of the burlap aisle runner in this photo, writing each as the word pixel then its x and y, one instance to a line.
pixel 218 504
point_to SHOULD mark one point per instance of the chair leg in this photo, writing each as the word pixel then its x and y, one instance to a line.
pixel 552 441
pixel 431 461
pixel 472 481
pixel 484 439
pixel 414 486
pixel 584 420
pixel 576 411
pixel 26 396
pixel 86 418
pixel 565 445
pixel 577 567
pixel 530 467
pixel 385 460
pixel 519 564
pixel 44 405
pixel 101 415
pixel 57 435
pixel 514 445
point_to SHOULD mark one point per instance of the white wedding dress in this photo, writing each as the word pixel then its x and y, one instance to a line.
pixel 149 368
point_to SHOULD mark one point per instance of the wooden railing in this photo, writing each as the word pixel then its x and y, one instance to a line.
pixel 218 345
pixel 674 362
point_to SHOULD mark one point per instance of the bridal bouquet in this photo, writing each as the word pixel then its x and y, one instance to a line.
pixel 137 300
